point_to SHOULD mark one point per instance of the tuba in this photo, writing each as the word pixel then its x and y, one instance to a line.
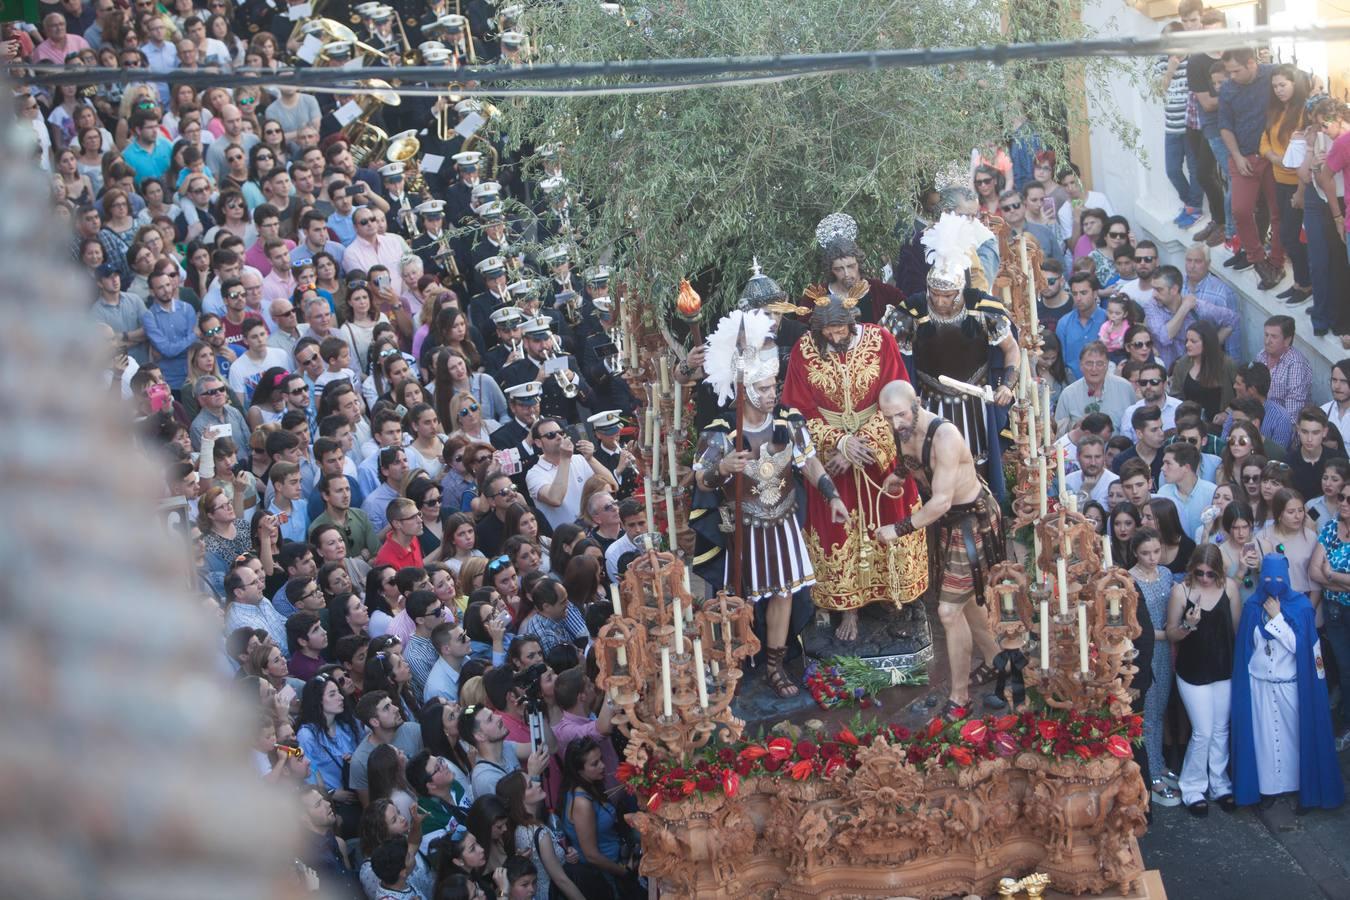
pixel 404 148
pixel 491 158
pixel 367 141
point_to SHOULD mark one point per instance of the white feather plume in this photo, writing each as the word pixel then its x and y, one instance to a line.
pixel 948 245
pixel 726 363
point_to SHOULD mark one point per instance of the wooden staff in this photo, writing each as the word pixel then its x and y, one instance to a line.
pixel 738 537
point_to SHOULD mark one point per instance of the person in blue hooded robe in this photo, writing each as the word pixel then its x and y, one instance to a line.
pixel 1282 737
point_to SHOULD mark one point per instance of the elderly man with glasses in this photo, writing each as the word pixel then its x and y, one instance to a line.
pixel 213 397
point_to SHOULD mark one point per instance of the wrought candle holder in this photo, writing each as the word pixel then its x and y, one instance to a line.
pixel 716 638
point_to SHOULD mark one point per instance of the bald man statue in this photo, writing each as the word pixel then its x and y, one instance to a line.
pixel 969 533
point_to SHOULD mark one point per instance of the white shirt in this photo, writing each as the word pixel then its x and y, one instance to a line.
pixel 245 371
pixel 1169 416
pixel 1132 290
pixel 1340 420
pixel 1074 482
pixel 542 475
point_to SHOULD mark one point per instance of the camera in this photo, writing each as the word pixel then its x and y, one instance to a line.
pixel 527 682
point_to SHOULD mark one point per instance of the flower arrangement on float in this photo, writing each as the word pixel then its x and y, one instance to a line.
pixel 1054 734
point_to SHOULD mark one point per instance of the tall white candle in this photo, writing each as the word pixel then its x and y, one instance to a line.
pixel 647 489
pixel 614 599
pixel 670 457
pixel 1107 562
pixel 1031 289
pixel 679 625
pixel 670 517
pixel 1062 586
pixel 1045 411
pixel 656 449
pixel 716 669
pixel 1045 634
pixel 665 682
pixel 1059 472
pixel 665 374
pixel 1024 379
pixel 1045 485
pixel 1035 555
pixel 1082 639
pixel 678 427
pixel 698 674
pixel 646 436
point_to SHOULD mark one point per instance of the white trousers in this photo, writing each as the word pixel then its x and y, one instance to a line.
pixel 1206 763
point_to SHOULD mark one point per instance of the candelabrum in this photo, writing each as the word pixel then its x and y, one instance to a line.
pixel 670 664
pixel 1064 623
pixel 649 370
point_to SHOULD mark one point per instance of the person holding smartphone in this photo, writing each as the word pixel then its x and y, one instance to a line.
pixel 1200 620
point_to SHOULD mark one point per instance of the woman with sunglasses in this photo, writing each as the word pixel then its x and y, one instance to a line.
pixel 1244 441
pixel 468 419
pixel 1154 584
pixel 989 183
pixel 383 598
pixel 1274 476
pixel 1115 236
pixel 427 495
pixel 233 217
pixel 1123 523
pixel 1204 374
pixel 458 487
pixel 1201 615
pixel 274 139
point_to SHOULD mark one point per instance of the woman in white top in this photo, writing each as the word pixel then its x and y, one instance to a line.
pixel 423 423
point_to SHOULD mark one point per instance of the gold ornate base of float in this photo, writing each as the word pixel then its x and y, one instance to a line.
pixel 889 830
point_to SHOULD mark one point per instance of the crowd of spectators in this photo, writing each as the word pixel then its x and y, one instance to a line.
pixel 396 437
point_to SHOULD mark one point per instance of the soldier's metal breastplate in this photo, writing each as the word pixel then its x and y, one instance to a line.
pixel 770 497
pixel 957 351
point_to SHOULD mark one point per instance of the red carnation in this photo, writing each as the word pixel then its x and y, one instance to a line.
pixel 772 764
pixel 744 766
pixel 707 785
pixel 726 756
pixel 806 750
pixel 1119 747
pixel 828 749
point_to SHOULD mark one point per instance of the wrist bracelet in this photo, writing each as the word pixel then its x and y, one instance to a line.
pixel 825 485
pixel 905 526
